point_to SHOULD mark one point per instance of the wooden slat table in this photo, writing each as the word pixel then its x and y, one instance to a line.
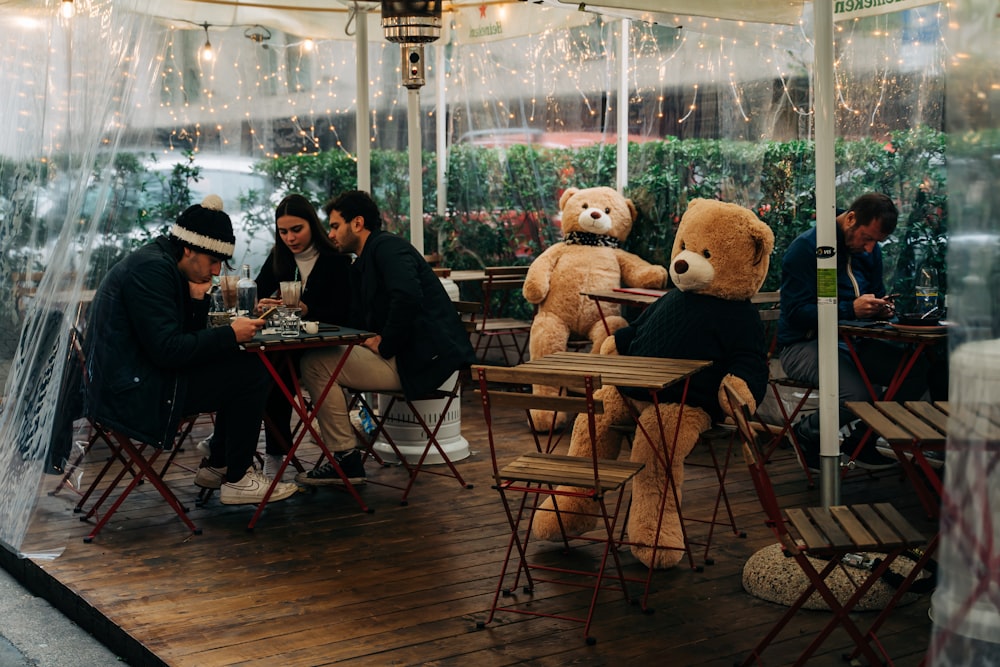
pixel 650 373
pixel 912 429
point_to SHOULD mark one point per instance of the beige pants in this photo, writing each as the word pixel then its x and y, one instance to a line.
pixel 363 370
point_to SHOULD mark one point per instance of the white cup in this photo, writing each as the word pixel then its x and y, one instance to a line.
pixel 311 327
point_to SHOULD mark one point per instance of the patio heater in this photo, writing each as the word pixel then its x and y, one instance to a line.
pixel 411 25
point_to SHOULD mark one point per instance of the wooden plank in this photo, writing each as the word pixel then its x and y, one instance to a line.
pixel 919 430
pixel 856 530
pixel 835 535
pixel 887 537
pixel 803 524
pixel 882 425
pixel 930 414
pixel 900 524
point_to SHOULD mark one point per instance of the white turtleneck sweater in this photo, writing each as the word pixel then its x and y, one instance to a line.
pixel 305 261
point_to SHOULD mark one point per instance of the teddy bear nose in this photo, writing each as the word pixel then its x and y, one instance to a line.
pixel 680 266
pixel 595 214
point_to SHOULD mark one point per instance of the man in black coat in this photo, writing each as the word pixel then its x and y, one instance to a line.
pixel 151 360
pixel 419 343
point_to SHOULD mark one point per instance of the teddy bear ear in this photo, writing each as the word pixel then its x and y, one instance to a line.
pixel 566 196
pixel 763 242
pixel 632 210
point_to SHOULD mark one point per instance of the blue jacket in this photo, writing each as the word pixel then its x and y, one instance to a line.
pixel 857 273
pixel 396 294
pixel 144 330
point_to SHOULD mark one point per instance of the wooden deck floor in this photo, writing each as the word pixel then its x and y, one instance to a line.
pixel 318 582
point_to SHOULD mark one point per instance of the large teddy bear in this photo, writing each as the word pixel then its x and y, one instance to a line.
pixel 595 222
pixel 719 260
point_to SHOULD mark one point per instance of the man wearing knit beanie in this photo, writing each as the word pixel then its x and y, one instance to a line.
pixel 151 360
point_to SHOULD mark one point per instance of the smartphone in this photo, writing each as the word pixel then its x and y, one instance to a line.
pixel 268 313
pixel 891 297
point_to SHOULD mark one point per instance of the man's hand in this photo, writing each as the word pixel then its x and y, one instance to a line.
pixel 372 343
pixel 245 328
pixel 199 290
pixel 870 307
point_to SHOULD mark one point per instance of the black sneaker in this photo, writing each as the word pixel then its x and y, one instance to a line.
pixel 350 463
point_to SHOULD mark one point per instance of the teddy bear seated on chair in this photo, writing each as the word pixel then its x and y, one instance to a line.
pixel 719 259
pixel 595 222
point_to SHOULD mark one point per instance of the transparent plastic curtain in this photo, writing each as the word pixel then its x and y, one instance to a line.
pixel 70 86
pixel 966 604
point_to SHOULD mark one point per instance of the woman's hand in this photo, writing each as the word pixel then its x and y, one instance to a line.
pixel 266 303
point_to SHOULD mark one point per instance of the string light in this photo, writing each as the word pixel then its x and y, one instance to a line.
pixel 207 54
pixel 67 9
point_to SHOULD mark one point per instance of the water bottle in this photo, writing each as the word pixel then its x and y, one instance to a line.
pixel 926 290
pixel 246 293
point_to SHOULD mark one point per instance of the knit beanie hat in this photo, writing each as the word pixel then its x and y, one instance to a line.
pixel 206 228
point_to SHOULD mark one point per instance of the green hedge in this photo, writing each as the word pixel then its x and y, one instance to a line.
pixel 502 202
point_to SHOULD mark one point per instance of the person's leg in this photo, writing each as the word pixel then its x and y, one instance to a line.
pixel 235 388
pixel 880 360
pixel 363 369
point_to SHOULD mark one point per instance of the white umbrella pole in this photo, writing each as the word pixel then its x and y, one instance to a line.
pixel 826 262
pixel 362 132
pixel 441 123
pixel 416 168
pixel 623 99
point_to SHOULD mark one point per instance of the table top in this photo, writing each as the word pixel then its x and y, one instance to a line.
pixel 327 335
pixel 622 371
pixel 886 331
pixel 903 423
pixel 467 275
pixel 640 296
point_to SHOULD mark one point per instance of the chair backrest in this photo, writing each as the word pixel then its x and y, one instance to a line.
pixel 511 388
pixel 501 289
pixel 758 472
pixel 468 312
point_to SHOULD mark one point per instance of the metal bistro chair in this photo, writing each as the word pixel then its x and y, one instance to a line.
pixel 828 534
pixel 430 421
pixel 502 287
pixel 534 475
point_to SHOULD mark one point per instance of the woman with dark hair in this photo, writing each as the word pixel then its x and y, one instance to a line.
pixel 302 251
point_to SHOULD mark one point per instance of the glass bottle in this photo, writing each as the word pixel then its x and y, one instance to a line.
pixel 246 293
pixel 926 290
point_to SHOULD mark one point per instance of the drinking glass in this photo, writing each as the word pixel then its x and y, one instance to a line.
pixel 291 292
pixel 290 322
pixel 228 285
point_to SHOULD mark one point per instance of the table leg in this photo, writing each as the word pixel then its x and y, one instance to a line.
pixel 298 403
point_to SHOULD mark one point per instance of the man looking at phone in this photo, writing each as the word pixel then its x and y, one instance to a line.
pixel 151 360
pixel 861 295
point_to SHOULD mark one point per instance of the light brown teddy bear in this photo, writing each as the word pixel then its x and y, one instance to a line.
pixel 719 260
pixel 595 222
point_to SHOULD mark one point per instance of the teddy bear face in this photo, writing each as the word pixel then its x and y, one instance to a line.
pixel 600 211
pixel 720 249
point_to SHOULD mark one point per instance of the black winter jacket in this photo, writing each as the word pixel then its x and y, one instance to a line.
pixel 144 330
pixel 396 294
pixel 327 292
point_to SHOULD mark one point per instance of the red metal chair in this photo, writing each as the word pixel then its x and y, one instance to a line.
pixel 829 534
pixel 535 475
pixel 501 289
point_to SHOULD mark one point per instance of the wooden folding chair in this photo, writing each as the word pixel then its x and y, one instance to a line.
pixel 535 475
pixel 501 290
pixel 830 534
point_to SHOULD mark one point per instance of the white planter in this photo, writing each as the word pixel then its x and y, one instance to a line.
pixel 409 436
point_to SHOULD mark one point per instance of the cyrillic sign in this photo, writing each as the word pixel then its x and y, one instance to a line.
pixel 844 10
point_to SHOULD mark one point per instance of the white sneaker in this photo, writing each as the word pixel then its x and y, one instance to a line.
pixel 205 447
pixel 208 477
pixel 251 489
pixel 272 462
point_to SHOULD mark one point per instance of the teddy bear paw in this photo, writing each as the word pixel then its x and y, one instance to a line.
pixel 545 421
